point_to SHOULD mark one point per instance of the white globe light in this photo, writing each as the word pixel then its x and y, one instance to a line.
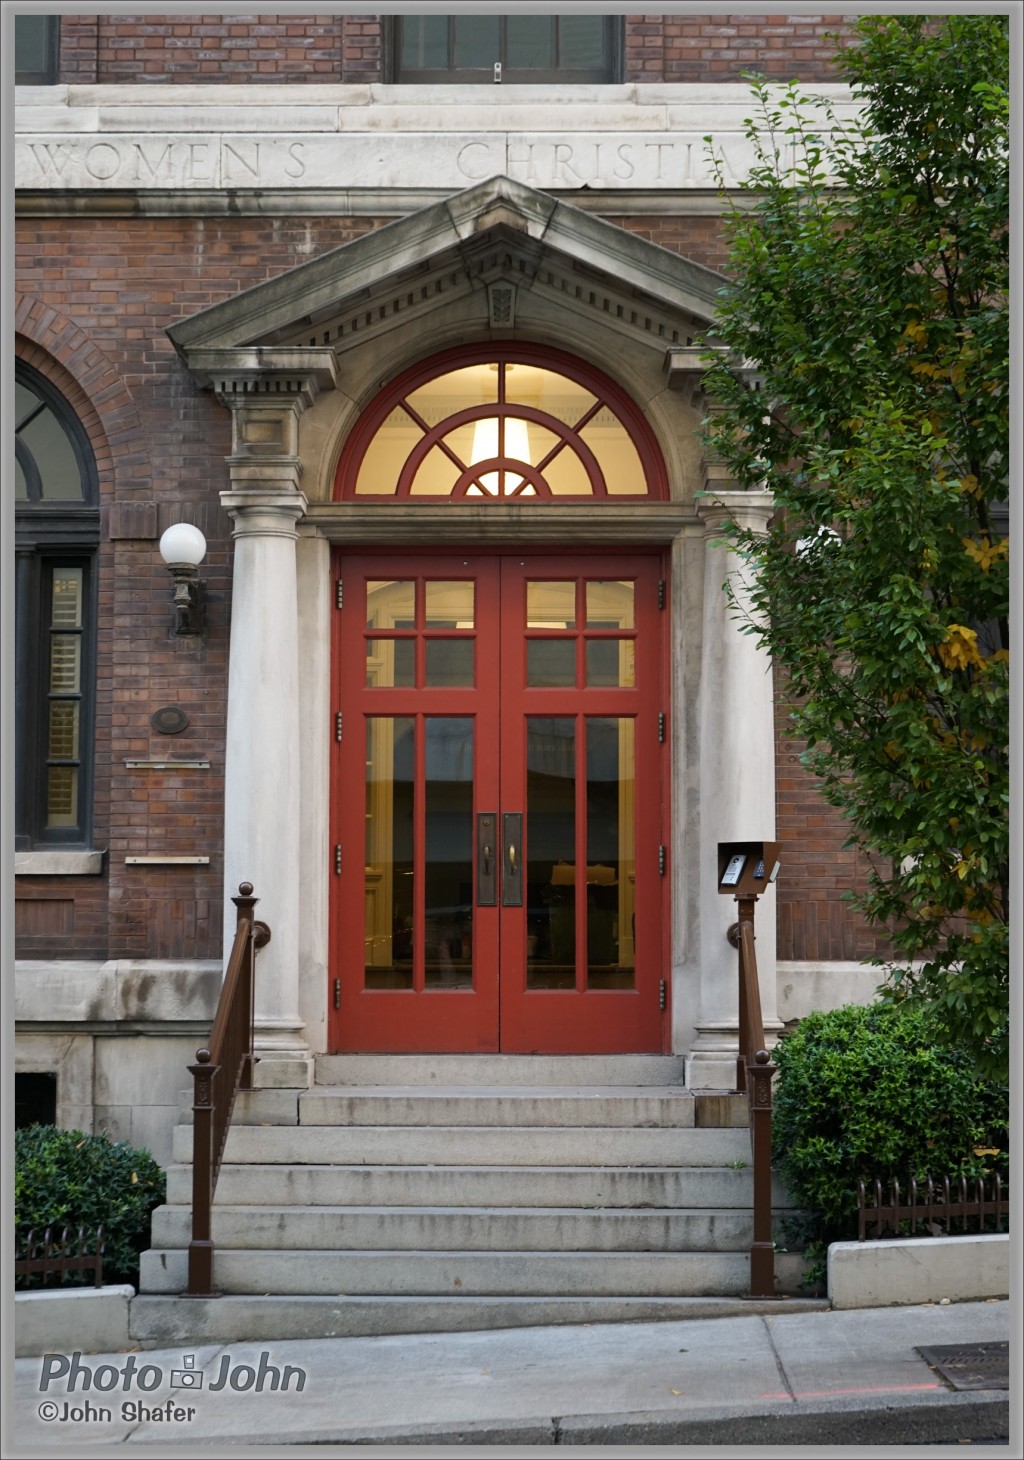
pixel 183 543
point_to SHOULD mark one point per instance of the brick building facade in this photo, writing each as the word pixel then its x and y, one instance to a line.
pixel 173 246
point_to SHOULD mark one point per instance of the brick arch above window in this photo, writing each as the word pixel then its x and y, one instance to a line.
pixel 53 345
pixel 500 423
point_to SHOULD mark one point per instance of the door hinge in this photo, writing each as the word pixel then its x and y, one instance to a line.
pixel 337 727
pixel 662 994
pixel 661 727
pixel 337 993
pixel 661 860
pixel 337 860
pixel 339 594
pixel 661 593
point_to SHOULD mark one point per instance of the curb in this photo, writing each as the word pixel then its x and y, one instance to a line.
pixel 911 1420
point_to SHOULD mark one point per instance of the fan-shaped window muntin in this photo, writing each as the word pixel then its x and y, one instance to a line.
pixel 502 425
pixel 51 464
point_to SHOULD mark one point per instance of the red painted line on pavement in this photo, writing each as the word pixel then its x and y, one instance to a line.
pixel 833 1393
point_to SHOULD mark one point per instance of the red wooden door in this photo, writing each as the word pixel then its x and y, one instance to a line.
pixel 498 805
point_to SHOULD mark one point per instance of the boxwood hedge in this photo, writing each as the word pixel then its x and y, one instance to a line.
pixel 64 1178
pixel 871 1093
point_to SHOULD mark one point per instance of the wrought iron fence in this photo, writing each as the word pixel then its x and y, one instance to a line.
pixel 957 1205
pixel 48 1256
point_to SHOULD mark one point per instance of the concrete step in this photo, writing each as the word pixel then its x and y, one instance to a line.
pixel 159 1321
pixel 463 1229
pixel 595 1105
pixel 468 1274
pixel 602 1105
pixel 477 1186
pixel 500 1069
pixel 476 1145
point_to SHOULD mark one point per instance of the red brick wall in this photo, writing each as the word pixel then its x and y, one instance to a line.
pixel 698 238
pixel 219 48
pixel 815 921
pixel 78 49
pixel 117 48
pixel 711 48
pixel 98 296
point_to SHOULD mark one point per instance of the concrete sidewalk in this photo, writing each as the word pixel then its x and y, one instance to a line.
pixel 812 1378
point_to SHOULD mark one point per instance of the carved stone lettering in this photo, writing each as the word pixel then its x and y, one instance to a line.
pixel 102 161
pixel 377 160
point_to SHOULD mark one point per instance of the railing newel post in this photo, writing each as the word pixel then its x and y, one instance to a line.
pixel 221 1070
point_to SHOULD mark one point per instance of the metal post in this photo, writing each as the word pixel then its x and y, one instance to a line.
pixel 200 1248
pixel 762 1249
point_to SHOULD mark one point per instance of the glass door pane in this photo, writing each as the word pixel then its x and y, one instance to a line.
pixel 611 861
pixel 551 853
pixel 448 854
pixel 390 876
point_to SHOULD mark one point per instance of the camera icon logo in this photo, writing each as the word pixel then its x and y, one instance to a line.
pixel 188 1376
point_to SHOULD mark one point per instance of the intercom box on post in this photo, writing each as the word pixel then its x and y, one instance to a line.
pixel 746 869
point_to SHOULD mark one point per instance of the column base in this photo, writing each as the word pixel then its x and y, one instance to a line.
pixel 711 1063
pixel 284 1060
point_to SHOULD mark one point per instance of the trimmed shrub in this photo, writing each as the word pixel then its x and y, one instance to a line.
pixel 869 1093
pixel 63 1178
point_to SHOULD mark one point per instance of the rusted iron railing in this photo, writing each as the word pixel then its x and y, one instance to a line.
pixel 53 1256
pixel 754 1071
pixel 220 1071
pixel 931 1203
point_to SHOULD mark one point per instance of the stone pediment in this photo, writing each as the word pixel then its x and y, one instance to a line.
pixel 501 239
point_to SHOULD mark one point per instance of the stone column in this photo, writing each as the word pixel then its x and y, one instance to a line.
pixel 261 776
pixel 266 391
pixel 737 791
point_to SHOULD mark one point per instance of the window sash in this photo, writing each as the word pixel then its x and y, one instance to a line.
pixel 36 49
pixel 446 50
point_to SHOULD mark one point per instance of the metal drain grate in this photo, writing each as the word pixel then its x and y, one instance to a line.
pixel 970 1365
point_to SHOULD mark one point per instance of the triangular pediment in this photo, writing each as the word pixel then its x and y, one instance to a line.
pixel 497 233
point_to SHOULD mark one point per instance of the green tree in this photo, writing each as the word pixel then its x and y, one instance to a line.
pixel 870 262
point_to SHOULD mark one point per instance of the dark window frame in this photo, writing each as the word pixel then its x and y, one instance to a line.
pixel 51 48
pixel 609 74
pixel 50 536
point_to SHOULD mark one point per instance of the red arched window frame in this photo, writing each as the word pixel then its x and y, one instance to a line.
pixel 607 394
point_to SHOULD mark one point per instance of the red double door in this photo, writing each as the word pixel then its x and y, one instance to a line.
pixel 498 804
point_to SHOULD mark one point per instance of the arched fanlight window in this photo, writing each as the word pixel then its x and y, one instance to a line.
pixel 52 464
pixel 502 424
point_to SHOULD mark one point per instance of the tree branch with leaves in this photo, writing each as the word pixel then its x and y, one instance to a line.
pixel 870 269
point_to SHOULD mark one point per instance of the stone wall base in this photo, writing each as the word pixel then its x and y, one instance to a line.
pixel 885 1274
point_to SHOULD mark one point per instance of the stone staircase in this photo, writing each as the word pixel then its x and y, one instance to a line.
pixel 426 1193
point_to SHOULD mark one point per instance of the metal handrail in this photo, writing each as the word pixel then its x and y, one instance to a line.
pixel 754 1071
pixel 222 1069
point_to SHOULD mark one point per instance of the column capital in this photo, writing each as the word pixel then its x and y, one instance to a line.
pixel 264 512
pixel 266 389
pixel 256 374
pixel 751 510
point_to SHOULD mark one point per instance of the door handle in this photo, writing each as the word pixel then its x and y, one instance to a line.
pixel 486 872
pixel 512 869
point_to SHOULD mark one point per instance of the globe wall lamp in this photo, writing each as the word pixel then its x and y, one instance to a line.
pixel 183 548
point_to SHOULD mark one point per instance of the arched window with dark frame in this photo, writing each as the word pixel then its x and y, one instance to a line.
pixel 56 538
pixel 538 49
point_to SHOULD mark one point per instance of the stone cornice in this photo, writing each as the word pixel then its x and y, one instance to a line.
pixel 240 376
pixel 497 523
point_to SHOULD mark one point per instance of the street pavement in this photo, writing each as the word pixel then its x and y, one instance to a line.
pixel 822 1378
